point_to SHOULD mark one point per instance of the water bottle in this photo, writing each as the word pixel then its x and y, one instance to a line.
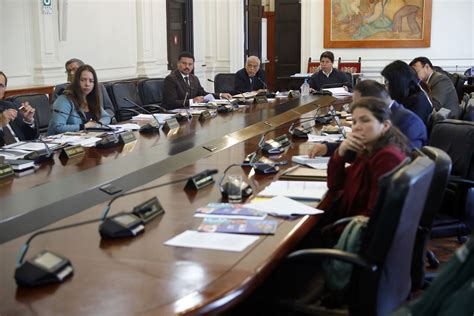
pixel 305 88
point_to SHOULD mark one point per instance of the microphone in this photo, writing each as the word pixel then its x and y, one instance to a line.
pixel 303 130
pixel 245 186
pixel 112 228
pixel 147 128
pixel 46 267
pixel 275 146
pixel 263 82
pixel 39 156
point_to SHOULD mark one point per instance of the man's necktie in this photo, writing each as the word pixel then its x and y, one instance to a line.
pixel 186 78
pixel 9 135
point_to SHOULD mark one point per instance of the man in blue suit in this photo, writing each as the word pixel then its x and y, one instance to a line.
pixel 406 121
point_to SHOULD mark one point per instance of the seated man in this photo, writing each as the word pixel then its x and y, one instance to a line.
pixel 181 85
pixel 328 75
pixel 71 66
pixel 14 127
pixel 250 78
pixel 441 88
pixel 407 122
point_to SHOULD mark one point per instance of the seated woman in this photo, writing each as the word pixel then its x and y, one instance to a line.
pixel 378 148
pixel 327 75
pixel 79 107
pixel 403 87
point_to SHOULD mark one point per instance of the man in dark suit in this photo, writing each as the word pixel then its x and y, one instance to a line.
pixel 405 120
pixel 328 75
pixel 251 77
pixel 442 91
pixel 14 125
pixel 181 85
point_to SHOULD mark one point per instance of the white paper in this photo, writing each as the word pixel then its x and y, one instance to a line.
pixel 340 91
pixel 160 116
pixel 126 127
pixel 13 153
pixel 31 146
pixel 316 162
pixel 307 190
pixel 215 241
pixel 283 206
pixel 312 138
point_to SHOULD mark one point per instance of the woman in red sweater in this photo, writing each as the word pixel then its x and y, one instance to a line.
pixel 374 148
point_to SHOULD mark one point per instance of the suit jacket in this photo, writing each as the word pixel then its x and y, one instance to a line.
pixel 242 81
pixel 419 104
pixel 175 89
pixel 443 94
pixel 22 130
pixel 409 124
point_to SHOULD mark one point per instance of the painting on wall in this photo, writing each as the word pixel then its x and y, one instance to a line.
pixel 377 23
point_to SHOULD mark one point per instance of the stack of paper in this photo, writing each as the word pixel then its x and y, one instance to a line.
pixel 238 226
pixel 305 190
pixel 283 206
pixel 316 162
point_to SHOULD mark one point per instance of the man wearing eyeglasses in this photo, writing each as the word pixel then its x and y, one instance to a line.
pixel 15 123
pixel 251 77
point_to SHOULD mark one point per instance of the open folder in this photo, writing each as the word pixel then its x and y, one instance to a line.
pixel 304 174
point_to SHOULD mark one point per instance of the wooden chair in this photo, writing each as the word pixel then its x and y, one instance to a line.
pixel 313 66
pixel 351 67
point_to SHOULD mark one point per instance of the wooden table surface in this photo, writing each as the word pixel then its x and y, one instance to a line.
pixel 142 275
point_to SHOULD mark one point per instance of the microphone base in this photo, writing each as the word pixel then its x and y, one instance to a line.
pixel 246 189
pixel 149 129
pixel 266 169
pixel 121 226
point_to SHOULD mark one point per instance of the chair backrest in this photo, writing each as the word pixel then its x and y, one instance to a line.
pixel 224 82
pixel 41 104
pixel 433 202
pixel 120 90
pixel 389 240
pixel 151 90
pixel 349 66
pixel 456 138
pixel 313 66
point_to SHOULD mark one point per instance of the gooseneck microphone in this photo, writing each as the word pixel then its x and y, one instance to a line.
pixel 245 186
pixel 39 155
pixel 132 224
pixel 263 82
pixel 147 128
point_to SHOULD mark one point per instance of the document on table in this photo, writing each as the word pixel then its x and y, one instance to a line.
pixel 305 190
pixel 221 241
pixel 160 116
pixel 316 162
pixel 126 127
pixel 312 138
pixel 31 146
pixel 283 206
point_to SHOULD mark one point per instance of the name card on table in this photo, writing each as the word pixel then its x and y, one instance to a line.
pixel 260 99
pixel 205 115
pixel 126 137
pixel 72 152
pixel 171 124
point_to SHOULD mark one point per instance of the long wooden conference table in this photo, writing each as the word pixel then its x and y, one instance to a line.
pixel 141 275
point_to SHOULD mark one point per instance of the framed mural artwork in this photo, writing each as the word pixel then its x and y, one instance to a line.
pixel 377 23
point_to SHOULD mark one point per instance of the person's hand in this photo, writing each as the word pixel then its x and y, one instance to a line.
pixel 226 95
pixel 7 116
pixel 318 150
pixel 353 142
pixel 90 124
pixel 198 99
pixel 28 112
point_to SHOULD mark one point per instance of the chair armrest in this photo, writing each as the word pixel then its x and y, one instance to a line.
pixel 311 255
pixel 336 224
pixel 461 181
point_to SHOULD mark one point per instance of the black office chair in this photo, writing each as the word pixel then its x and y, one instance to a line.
pixel 125 110
pixel 151 90
pixel 432 205
pixel 42 106
pixel 468 113
pixel 380 279
pixel 456 217
pixel 224 82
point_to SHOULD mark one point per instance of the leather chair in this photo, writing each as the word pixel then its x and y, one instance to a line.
pixel 353 67
pixel 456 217
pixel 125 110
pixel 224 82
pixel 433 202
pixel 151 90
pixel 380 279
pixel 468 113
pixel 42 106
